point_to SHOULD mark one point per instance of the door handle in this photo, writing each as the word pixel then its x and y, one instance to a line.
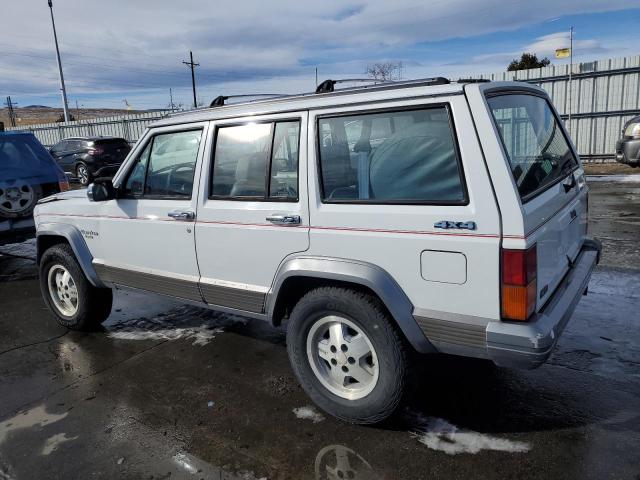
pixel 184 215
pixel 284 219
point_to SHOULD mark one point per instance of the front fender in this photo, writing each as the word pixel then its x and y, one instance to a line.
pixel 361 273
pixel 78 245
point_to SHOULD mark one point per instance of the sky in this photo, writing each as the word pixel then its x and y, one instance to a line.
pixel 117 51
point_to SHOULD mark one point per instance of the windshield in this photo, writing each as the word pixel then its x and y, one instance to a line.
pixel 538 151
pixel 23 153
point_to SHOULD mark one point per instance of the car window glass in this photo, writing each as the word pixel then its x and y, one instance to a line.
pixel 398 157
pixel 241 159
pixel 172 164
pixel 538 151
pixel 284 163
pixel 135 182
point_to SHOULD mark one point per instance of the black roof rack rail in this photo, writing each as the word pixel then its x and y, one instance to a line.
pixel 219 101
pixel 328 86
pixel 473 80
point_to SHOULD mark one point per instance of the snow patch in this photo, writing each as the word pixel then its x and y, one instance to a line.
pixel 194 325
pixel 308 413
pixel 634 178
pixel 51 444
pixel 440 435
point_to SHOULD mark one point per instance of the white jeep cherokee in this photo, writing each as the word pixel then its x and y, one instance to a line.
pixel 424 215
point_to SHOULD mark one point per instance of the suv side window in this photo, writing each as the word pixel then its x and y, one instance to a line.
pixel 406 156
pixel 257 161
pixel 166 167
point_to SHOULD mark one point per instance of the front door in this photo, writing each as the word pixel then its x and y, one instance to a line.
pixel 253 210
pixel 147 235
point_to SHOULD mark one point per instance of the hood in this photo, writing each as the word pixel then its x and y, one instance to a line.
pixel 68 195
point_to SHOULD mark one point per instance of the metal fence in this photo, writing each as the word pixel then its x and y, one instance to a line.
pixel 129 126
pixel 604 95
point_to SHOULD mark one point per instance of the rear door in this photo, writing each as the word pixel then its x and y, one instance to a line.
pixel 253 208
pixel 548 179
pixel 402 185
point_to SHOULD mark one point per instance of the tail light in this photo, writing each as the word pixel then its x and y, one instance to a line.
pixel 96 151
pixel 63 184
pixel 519 285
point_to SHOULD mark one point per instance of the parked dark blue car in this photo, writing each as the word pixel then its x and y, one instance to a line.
pixel 27 174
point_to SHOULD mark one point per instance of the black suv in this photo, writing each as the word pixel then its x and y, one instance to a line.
pixel 628 147
pixel 88 157
pixel 27 173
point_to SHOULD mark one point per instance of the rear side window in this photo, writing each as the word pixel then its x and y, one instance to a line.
pixel 538 152
pixel 407 156
pixel 257 161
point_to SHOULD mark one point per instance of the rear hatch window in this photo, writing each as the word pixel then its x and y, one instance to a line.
pixel 112 145
pixel 538 151
pixel 23 156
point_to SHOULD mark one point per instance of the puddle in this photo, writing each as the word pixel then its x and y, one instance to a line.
pixel 308 413
pixel 440 435
pixel 197 467
pixel 36 417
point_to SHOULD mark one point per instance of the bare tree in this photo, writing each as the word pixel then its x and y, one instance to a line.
pixel 385 71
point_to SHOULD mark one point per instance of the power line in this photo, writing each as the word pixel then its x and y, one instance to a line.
pixel 193 77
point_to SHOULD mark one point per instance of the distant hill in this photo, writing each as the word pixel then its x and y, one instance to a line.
pixel 35 114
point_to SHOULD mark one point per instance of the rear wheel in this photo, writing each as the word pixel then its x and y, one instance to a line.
pixel 83 174
pixel 18 198
pixel 347 354
pixel 76 303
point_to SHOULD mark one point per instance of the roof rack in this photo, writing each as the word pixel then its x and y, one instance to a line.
pixel 328 86
pixel 219 101
pixel 473 80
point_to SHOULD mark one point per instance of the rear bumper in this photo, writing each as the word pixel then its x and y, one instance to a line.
pixel 528 345
pixel 628 151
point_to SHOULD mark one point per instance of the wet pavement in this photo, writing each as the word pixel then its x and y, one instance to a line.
pixel 168 391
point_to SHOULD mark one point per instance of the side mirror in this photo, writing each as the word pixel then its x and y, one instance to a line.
pixel 101 190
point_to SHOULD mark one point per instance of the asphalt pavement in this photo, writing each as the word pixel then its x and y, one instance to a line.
pixel 170 391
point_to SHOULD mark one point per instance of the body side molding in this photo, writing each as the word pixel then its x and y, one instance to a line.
pixel 78 245
pixel 362 273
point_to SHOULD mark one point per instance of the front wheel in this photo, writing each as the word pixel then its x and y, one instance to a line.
pixel 347 354
pixel 76 303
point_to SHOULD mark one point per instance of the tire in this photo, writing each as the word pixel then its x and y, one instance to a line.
pixel 18 197
pixel 83 174
pixel 361 318
pixel 92 305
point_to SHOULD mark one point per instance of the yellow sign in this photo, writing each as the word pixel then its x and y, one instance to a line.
pixel 563 52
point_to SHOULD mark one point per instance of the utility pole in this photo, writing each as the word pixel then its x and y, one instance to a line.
pixel 570 74
pixel 11 111
pixel 171 100
pixel 193 77
pixel 65 105
pixel 316 77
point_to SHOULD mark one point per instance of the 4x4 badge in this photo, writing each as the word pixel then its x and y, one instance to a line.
pixel 447 224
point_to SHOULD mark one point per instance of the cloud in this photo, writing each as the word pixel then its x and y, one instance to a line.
pixel 138 46
pixel 545 46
